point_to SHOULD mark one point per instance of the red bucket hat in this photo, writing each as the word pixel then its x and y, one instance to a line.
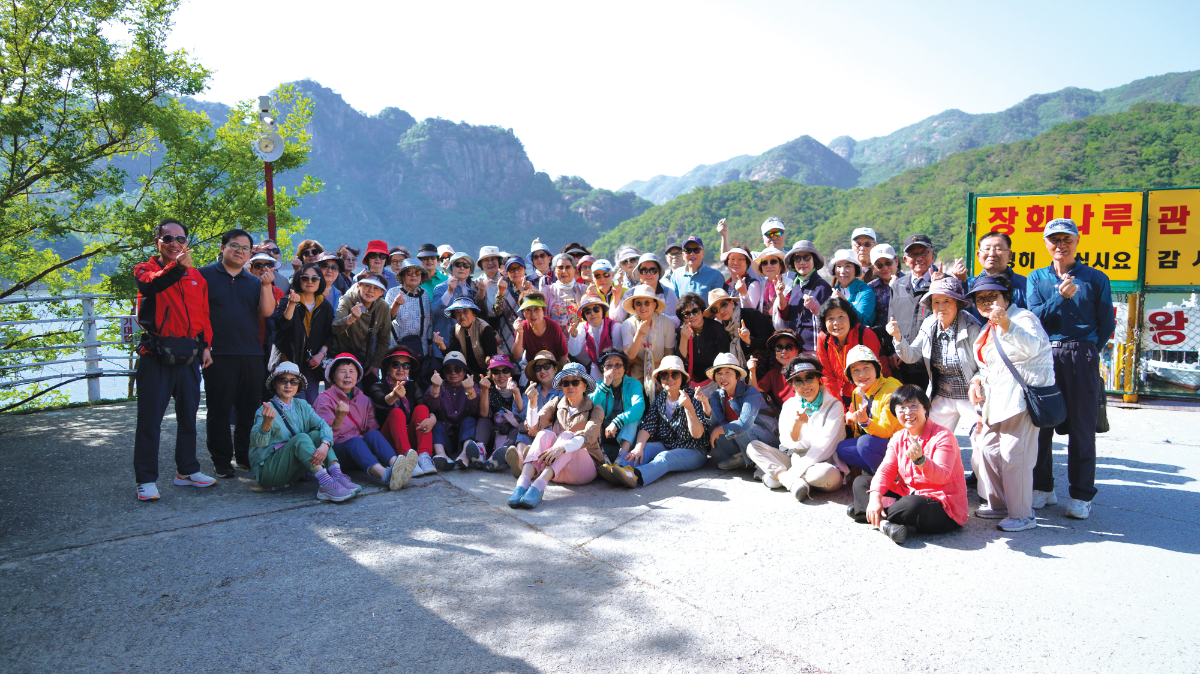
pixel 377 246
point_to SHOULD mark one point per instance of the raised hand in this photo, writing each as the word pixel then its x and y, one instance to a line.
pixel 998 316
pixel 752 363
pixel 436 380
pixel 316 359
pixel 741 286
pixel 744 333
pixel 441 343
pixel 358 310
pixel 398 390
pixel 342 408
pixel 862 416
pixel 705 404
pixel 293 297
pixel 512 385
pixel 485 382
pixel 502 285
pixel 811 304
pixel 452 284
pixel 686 332
pixel 722 228
pixel 185 259
pixel 937 272
pixel 268 278
pixel 893 329
pixel 1067 287
pixel 400 299
pixel 469 385
pixel 268 416
pixel 531 391
pixel 914 449
pixel 959 270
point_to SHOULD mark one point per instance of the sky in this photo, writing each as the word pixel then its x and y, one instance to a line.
pixel 618 90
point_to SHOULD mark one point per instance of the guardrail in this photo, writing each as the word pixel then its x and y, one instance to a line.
pixel 90 344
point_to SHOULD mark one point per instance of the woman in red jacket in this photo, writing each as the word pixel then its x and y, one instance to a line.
pixel 840 332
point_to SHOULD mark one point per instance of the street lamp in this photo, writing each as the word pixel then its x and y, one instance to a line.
pixel 268 147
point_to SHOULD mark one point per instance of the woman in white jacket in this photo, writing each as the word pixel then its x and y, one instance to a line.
pixel 811 424
pixel 1007 438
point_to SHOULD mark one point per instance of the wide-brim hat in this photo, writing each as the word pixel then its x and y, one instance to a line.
pixel 804 246
pixel 780 334
pixel 768 253
pixel 462 256
pixel 489 251
pixel 460 303
pixel 575 370
pixel 590 299
pixel 739 250
pixel 330 257
pixel 726 360
pixel 397 352
pixel 986 282
pixel 671 364
pixel 286 367
pixel 650 257
pixel 947 286
pixel 427 250
pixel 642 292
pixel 410 263
pixel 715 297
pixel 541 356
pixel 377 246
pixel 845 255
pixel 626 252
pixel 331 365
pixel 861 354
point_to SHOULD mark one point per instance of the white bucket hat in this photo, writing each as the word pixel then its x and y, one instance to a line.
pixel 726 360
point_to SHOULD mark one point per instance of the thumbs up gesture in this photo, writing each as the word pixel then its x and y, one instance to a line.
pixel 744 333
pixel 893 328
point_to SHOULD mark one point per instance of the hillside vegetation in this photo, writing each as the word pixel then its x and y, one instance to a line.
pixel 1150 145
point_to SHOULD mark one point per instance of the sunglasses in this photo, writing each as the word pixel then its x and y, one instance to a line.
pixel 453 369
pixel 310 279
pixel 883 263
pixel 288 381
pixel 600 274
pixel 806 378
pixel 570 382
pixel 311 252
pixel 543 366
pixel 779 348
pixel 629 262
pixel 273 251
pixel 400 365
pixel 461 265
pixel 774 233
pixel 169 239
pixel 501 370
pixel 614 364
pixel 261 265
pixel 587 311
pixel 643 303
pixel 693 250
pixel 648 270
pixel 689 314
pixel 671 375
pixel 539 256
pixel 804 258
pixel 326 266
pixel 770 261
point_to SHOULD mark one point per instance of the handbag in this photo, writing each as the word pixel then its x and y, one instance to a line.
pixel 173 350
pixel 1046 405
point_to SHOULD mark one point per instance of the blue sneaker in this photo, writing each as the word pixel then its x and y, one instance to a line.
pixel 514 501
pixel 531 498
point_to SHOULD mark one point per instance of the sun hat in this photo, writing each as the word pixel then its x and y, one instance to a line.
pixel 918 240
pixel 602 265
pixel 862 354
pixel 264 257
pixel 399 249
pixel 649 257
pixel 574 247
pixel 372 281
pixel 444 250
pixel 454 357
pixel 286 367
pixel 642 292
pixel 538 245
pixel 1061 226
pixel 804 246
pixel 397 352
pixel 726 360
pixel 326 257
pixel 845 255
pixel 515 259
pixel 331 364
pixel 376 246
pixel 799 367
pixel 739 250
pixel 882 250
pixel 532 299
pixel 541 356
pixel 780 334
pixel 767 253
pixel 863 231
pixel 460 303
pixel 592 298
pixel 489 251
pixel 410 263
pixel 500 360
pixel 427 250
pixel 715 297
pixel 671 364
pixel 987 282
pixel 626 252
pixel 585 260
pixel 947 286
pixel 462 256
pixel 575 370
pixel 772 223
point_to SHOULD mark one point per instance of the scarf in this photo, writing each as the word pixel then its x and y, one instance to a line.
pixel 593 349
pixel 655 340
pixel 309 314
pixel 472 336
pixel 735 340
pixel 811 408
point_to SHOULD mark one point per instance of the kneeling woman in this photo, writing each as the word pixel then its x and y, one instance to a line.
pixel 673 435
pixel 565 426
pixel 811 425
pixel 920 485
pixel 356 434
pixel 283 450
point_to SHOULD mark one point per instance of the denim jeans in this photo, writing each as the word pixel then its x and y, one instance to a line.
pixel 864 452
pixel 451 438
pixel 657 461
pixel 730 444
pixel 366 451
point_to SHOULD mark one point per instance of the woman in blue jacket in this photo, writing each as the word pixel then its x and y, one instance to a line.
pixel 623 400
pixel 845 270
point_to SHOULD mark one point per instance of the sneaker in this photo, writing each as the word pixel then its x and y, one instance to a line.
pixel 224 472
pixel 1021 524
pixel 1041 499
pixel 514 501
pixel 532 497
pixel 402 471
pixel 625 475
pixel 990 514
pixel 897 532
pixel 332 491
pixel 799 489
pixel 469 455
pixel 344 481
pixel 758 474
pixel 442 464
pixel 418 471
pixel 1079 510
pixel 771 483
pixel 513 457
pixel 425 463
pixel 605 472
pixel 194 480
pixel 496 463
pixel 732 463
pixel 147 491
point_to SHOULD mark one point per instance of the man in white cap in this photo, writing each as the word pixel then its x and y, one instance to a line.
pixel 486 284
pixel 444 252
pixel 862 240
pixel 772 234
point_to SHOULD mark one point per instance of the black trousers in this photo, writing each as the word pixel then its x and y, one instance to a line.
pixel 915 374
pixel 232 383
pixel 157 384
pixel 1076 371
pixel 922 512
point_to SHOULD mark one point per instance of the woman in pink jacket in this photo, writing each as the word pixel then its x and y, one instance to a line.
pixel 920 486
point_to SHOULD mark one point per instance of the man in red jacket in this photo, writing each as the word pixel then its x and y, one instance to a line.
pixel 172 308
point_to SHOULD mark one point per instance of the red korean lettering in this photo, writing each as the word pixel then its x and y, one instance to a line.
pixel 1003 219
pixel 1117 216
pixel 1166 327
pixel 1037 217
pixel 1084 223
pixel 1173 215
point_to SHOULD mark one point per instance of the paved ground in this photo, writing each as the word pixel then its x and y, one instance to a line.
pixel 704 571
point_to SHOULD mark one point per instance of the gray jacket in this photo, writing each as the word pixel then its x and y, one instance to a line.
pixel 906 307
pixel 922 346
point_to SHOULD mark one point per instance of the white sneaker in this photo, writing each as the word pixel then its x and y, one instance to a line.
pixel 1017 524
pixel 1079 510
pixel 147 491
pixel 194 480
pixel 425 465
pixel 1041 499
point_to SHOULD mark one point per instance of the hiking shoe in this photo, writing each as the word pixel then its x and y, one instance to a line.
pixel 332 491
pixel 512 456
pixel 1079 510
pixel 532 497
pixel 425 463
pixel 224 472
pixel 147 491
pixel 732 463
pixel 625 475
pixel 991 514
pixel 514 501
pixel 496 463
pixel 402 471
pixel 469 455
pixel 897 532
pixel 1041 499
pixel 1019 524
pixel 442 464
pixel 194 480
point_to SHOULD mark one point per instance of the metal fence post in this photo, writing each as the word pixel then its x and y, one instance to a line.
pixel 91 353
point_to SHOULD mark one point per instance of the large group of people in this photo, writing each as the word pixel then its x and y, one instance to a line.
pixel 811 372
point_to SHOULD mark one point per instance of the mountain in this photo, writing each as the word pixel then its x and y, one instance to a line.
pixel 1149 145
pixel 874 160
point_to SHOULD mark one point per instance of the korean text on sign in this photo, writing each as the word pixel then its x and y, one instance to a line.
pixel 1110 228
pixel 1173 238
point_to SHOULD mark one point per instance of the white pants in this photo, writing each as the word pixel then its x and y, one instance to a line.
pixel 1008 451
pixel 949 412
pixel 773 462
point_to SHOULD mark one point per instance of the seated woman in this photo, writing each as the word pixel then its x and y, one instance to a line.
pixel 540 372
pixel 672 436
pixel 362 325
pixel 402 418
pixel 870 415
pixel 920 486
pixel 356 435
pixel 810 427
pixel 562 292
pixel 647 334
pixel 623 401
pixel 699 339
pixel 454 398
pixel 564 427
pixel 535 334
pixel 594 335
pixel 846 271
pixel 297 443
pixel 732 412
pixel 304 328
pixel 748 329
pixel 501 408
pixel 779 351
pixel 840 332
pixel 473 337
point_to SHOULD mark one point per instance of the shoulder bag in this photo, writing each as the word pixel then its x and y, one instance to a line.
pixel 1047 407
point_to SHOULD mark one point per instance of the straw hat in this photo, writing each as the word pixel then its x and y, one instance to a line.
pixel 542 356
pixel 726 360
pixel 590 299
pixel 642 292
pixel 768 253
pixel 715 297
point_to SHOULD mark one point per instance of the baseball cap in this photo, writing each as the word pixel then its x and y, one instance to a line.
pixel 918 240
pixel 863 231
pixel 1061 226
pixel 693 239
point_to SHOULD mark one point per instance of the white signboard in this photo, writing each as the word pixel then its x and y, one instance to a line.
pixel 1172 328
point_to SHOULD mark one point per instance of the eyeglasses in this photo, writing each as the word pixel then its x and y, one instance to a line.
pixel 310 252
pixel 600 274
pixel 692 250
pixel 908 410
pixel 671 375
pixel 781 348
pixel 648 270
pixel 990 298
pixel 629 262
pixel 570 382
pixel 169 239
pixel 261 265
pixel 326 266
pixel 883 263
pixel 501 370
pixel 400 365
pixel 238 248
pixel 637 304
pixel 454 369
pixel 614 364
pixel 288 381
pixel 862 244
pixel 593 309
pixel 310 279
pixel 462 265
pixel 543 366
pixel 689 314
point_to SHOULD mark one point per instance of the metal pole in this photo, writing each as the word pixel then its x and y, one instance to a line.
pixel 92 353
pixel 270 200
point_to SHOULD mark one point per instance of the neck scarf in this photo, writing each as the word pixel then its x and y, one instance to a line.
pixel 317 299
pixel 735 341
pixel 287 407
pixel 471 336
pixel 593 349
pixel 811 408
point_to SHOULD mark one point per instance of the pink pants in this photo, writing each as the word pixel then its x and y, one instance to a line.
pixel 569 468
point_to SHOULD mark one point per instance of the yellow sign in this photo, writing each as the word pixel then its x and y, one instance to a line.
pixel 1173 238
pixel 1110 228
